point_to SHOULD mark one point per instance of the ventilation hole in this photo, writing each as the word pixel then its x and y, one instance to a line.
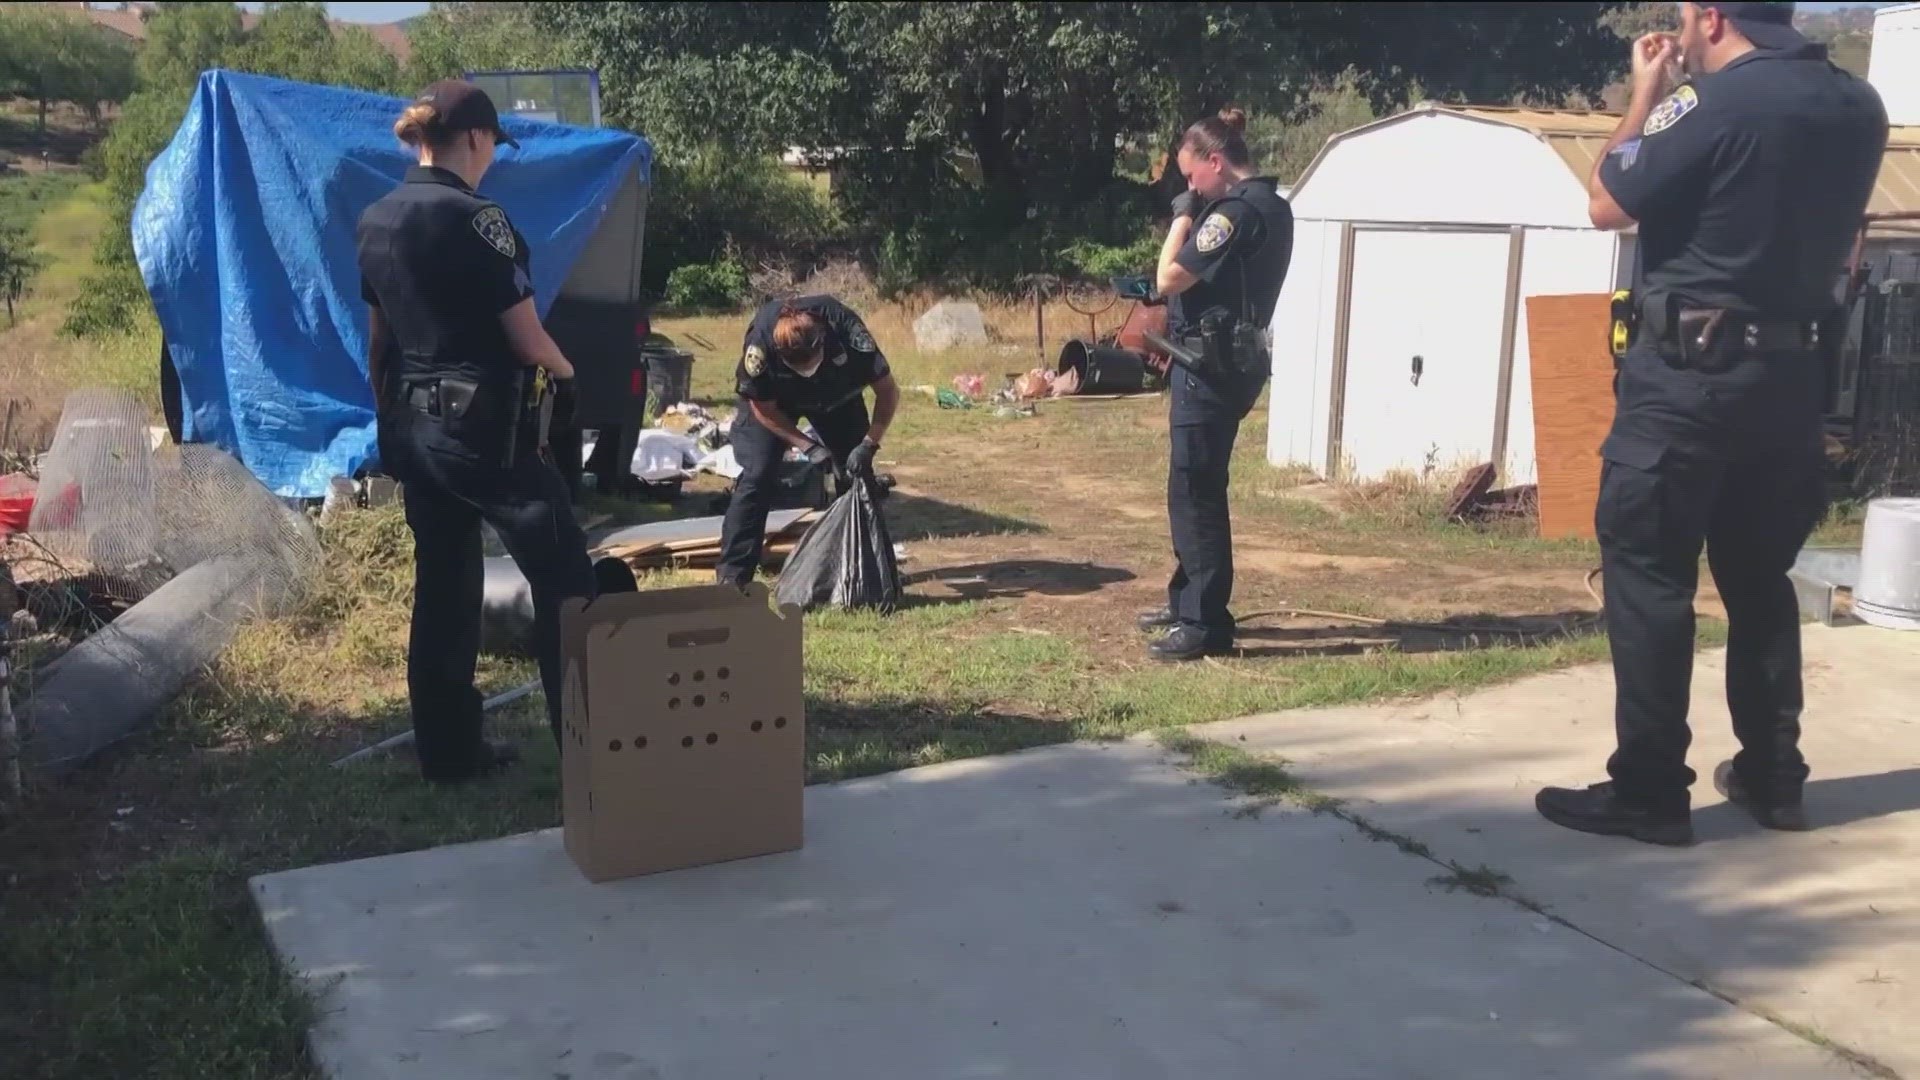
pixel 699 676
pixel 757 725
pixel 712 738
pixel 779 721
pixel 724 673
pixel 673 679
pixel 673 703
pixel 687 742
pixel 725 697
pixel 640 743
pixel 614 746
pixel 699 700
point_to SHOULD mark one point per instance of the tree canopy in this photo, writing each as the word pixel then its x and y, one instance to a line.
pixel 49 55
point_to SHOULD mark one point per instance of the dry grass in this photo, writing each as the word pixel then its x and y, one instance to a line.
pixel 38 364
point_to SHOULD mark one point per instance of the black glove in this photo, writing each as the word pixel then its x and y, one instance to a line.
pixel 1188 204
pixel 860 462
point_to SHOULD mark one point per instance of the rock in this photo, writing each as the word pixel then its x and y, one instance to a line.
pixel 948 324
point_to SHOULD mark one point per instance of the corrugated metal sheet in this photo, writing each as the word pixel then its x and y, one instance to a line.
pixel 1578 137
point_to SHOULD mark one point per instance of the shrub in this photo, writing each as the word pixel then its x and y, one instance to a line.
pixel 1100 262
pixel 714 201
pixel 707 286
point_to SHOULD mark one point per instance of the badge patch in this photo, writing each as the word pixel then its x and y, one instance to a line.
pixel 1668 113
pixel 1214 232
pixel 493 227
pixel 755 360
pixel 859 340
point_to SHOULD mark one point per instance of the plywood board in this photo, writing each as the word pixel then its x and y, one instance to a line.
pixel 1572 406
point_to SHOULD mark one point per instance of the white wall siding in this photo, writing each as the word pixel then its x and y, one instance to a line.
pixel 1441 167
pixel 1894 67
pixel 1303 332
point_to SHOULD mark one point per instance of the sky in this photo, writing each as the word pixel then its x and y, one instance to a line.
pixel 367 12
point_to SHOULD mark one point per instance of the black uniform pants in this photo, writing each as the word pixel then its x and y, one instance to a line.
pixel 1732 461
pixel 759 453
pixel 449 489
pixel 1205 424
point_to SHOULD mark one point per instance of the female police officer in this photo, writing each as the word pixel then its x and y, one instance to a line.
pixel 1222 278
pixel 453 330
pixel 809 357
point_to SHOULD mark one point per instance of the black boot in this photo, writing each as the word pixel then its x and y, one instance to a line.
pixel 1598 809
pixel 1158 619
pixel 493 759
pixel 1782 815
pixel 1189 642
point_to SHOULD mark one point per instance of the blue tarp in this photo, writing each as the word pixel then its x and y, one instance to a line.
pixel 245 237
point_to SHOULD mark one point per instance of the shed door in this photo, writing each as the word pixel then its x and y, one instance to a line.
pixel 1441 297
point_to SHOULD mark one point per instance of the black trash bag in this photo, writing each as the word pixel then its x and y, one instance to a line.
pixel 845 560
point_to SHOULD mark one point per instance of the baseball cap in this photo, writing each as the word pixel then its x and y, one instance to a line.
pixel 1767 25
pixel 465 107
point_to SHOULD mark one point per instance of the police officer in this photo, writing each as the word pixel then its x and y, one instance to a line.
pixel 809 358
pixel 1223 280
pixel 1749 182
pixel 454 335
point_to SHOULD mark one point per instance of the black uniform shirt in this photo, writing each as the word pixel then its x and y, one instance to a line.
pixel 1749 184
pixel 442 264
pixel 1239 249
pixel 853 361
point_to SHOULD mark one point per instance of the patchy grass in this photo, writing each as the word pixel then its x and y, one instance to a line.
pixel 42 364
pixel 1031 542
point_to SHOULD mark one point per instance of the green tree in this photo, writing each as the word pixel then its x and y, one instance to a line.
pixel 295 41
pixel 18 263
pixel 763 76
pixel 50 56
pixel 455 38
pixel 184 40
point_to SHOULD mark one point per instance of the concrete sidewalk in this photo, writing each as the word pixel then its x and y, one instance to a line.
pixel 1075 913
pixel 1820 930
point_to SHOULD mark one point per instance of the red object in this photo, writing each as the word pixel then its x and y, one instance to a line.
pixel 642 329
pixel 17 494
pixel 639 382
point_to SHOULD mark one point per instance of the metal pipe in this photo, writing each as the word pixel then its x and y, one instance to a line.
pixel 405 738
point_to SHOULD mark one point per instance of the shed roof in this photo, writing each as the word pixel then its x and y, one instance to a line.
pixel 1578 136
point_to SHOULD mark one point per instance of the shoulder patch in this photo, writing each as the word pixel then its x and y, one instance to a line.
pixel 755 361
pixel 492 225
pixel 1214 232
pixel 1668 112
pixel 858 339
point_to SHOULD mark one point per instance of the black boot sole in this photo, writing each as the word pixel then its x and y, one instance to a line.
pixel 1663 833
pixel 1776 818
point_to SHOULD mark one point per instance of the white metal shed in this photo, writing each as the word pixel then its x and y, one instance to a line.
pixel 1400 339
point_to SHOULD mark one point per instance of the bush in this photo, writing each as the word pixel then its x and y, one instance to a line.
pixel 715 204
pixel 1100 262
pixel 111 300
pixel 707 286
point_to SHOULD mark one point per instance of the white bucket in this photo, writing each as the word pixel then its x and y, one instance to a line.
pixel 1888 591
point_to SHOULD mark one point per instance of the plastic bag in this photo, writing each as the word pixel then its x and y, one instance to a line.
pixel 845 559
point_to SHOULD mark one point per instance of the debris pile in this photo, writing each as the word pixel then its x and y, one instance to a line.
pixel 1474 500
pixel 185 535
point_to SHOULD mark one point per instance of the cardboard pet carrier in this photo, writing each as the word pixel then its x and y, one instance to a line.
pixel 683 733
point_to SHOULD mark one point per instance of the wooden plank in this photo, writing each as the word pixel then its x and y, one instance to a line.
pixel 1572 406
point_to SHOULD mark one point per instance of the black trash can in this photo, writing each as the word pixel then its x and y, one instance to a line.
pixel 669 379
pixel 1106 369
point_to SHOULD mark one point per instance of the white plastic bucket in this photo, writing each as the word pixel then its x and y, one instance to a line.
pixel 1888 591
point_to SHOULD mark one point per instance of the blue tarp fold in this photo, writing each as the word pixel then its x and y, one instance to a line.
pixel 245 238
